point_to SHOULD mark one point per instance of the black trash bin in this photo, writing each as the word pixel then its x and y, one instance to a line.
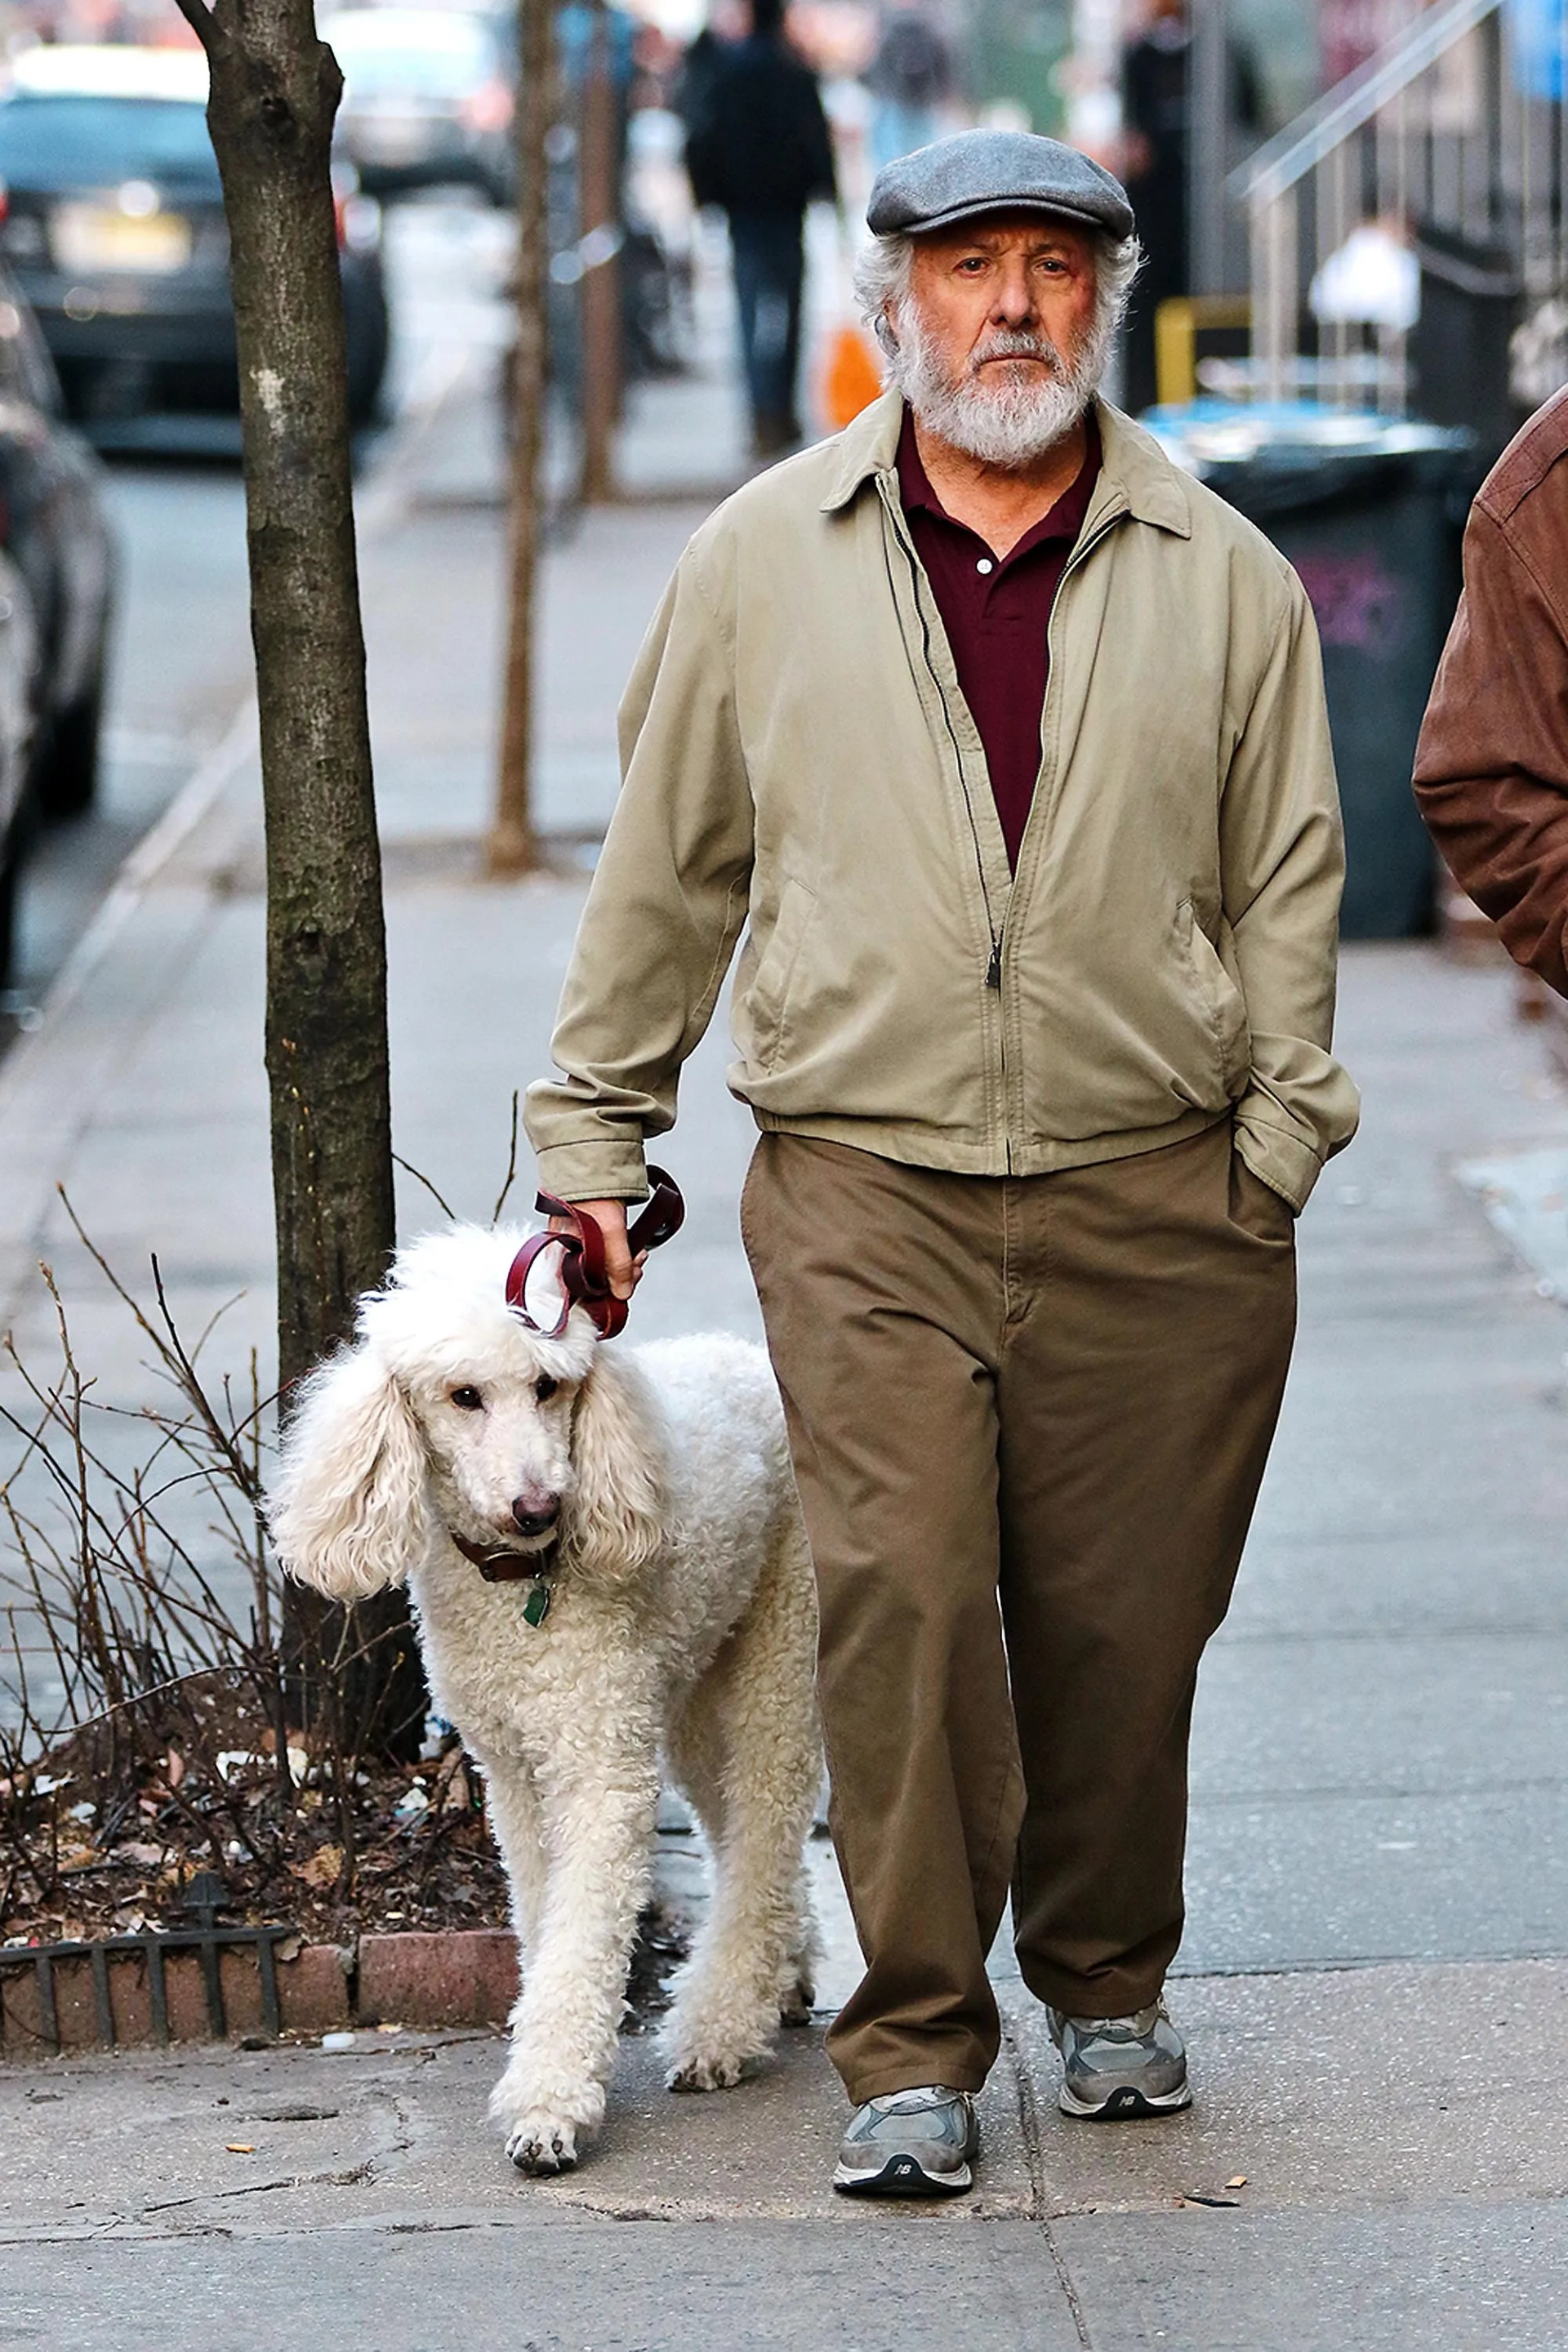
pixel 1472 298
pixel 1371 512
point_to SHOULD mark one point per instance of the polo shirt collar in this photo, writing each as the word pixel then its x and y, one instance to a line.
pixel 1136 477
pixel 1064 520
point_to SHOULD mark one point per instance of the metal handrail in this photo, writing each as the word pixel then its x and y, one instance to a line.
pixel 1303 144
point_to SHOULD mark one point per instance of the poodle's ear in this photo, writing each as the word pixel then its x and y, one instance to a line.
pixel 347 1508
pixel 614 1522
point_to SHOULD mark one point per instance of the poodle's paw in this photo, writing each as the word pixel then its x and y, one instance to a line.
pixel 714 2074
pixel 548 2133
pixel 713 2053
pixel 542 2144
pixel 796 2000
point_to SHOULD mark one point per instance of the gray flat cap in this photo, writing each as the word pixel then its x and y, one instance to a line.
pixel 993 172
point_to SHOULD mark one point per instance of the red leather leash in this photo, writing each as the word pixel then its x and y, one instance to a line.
pixel 584 1281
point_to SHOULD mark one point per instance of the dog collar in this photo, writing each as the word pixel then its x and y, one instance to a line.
pixel 499 1566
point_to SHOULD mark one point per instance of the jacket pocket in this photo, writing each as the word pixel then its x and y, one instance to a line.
pixel 768 997
pixel 1221 1001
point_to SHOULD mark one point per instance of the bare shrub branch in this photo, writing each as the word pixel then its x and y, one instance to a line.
pixel 147 1701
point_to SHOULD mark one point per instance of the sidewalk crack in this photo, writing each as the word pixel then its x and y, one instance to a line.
pixel 1064 2280
pixel 1029 2125
pixel 357 2176
pixel 1028 2122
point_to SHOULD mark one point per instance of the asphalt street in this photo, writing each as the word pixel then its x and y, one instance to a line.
pixel 181 652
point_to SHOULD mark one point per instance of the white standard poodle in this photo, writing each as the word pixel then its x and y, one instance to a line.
pixel 608 1567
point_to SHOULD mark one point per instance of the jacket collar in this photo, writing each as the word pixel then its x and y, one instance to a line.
pixel 1136 477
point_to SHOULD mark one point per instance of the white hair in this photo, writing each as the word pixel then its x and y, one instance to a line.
pixel 1014 424
pixel 885 265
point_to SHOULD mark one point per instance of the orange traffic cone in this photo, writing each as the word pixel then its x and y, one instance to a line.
pixel 851 380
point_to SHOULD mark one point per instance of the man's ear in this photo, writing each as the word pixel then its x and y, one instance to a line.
pixel 348 1509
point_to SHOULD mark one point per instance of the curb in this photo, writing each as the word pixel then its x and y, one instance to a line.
pixel 81 2001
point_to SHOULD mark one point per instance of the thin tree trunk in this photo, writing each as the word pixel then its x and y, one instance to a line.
pixel 599 181
pixel 511 848
pixel 274 93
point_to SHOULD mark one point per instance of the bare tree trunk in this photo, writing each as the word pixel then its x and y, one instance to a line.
pixel 274 93
pixel 599 181
pixel 511 848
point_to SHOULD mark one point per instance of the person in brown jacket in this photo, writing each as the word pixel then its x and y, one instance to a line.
pixel 1491 765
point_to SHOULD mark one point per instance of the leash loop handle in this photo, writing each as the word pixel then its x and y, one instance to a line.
pixel 584 1281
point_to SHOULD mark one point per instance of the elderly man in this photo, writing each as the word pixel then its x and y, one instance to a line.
pixel 1006 744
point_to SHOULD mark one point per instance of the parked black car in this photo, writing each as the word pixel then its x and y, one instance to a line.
pixel 115 230
pixel 57 575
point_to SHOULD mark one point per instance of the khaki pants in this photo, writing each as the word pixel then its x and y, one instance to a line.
pixel 1028 1418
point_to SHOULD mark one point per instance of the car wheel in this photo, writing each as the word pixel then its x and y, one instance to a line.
pixel 67 781
pixel 10 876
pixel 368 340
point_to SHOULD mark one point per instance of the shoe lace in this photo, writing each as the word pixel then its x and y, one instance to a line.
pixel 1134 2029
pixel 914 2101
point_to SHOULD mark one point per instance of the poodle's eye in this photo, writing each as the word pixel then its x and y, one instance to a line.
pixel 545 1388
pixel 468 1400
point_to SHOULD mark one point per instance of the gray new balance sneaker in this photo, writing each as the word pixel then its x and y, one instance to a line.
pixel 1119 2067
pixel 909 2144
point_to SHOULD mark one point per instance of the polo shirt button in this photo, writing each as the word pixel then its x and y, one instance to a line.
pixel 985 564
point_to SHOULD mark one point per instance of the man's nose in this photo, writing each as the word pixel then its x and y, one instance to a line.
pixel 535 1510
pixel 1014 300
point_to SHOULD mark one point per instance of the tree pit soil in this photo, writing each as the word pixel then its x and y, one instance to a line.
pixel 109 1833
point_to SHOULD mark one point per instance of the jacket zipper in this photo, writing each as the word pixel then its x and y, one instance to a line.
pixel 993 962
pixel 993 969
pixel 993 965
pixel 1080 555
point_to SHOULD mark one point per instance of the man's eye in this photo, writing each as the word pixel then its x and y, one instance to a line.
pixel 468 1400
pixel 545 1388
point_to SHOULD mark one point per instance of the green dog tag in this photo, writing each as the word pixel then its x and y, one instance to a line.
pixel 536 1608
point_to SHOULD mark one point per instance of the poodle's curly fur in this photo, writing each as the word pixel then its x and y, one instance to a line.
pixel 682 1628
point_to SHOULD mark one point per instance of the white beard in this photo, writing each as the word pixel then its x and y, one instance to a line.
pixel 1006 417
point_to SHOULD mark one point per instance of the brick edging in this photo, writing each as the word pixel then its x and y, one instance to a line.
pixel 466 1977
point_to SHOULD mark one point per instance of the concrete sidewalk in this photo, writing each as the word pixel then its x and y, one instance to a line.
pixel 1376 1976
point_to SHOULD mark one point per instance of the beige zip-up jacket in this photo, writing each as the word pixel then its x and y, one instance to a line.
pixel 799 764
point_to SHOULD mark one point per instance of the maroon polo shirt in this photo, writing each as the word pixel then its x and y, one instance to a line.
pixel 995 610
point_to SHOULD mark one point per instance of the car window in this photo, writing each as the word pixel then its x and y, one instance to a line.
pixel 55 142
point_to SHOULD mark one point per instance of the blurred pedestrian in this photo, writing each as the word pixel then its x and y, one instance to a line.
pixel 1491 766
pixel 910 79
pixel 758 145
pixel 1034 1014
pixel 704 55
pixel 1155 91
pixel 1156 114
